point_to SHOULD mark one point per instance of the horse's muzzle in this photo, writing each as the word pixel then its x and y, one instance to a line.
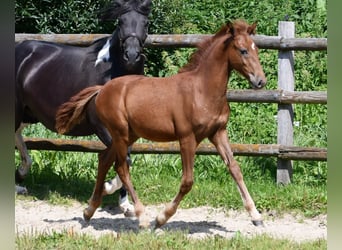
pixel 131 57
pixel 132 51
pixel 257 82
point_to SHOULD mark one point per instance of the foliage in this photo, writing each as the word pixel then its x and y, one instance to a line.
pixel 55 16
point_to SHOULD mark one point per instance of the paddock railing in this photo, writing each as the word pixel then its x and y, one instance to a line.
pixel 284 96
pixel 182 40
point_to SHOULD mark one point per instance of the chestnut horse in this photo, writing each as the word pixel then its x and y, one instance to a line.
pixel 188 107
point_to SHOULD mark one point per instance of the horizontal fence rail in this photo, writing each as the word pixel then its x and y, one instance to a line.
pixel 275 150
pixel 183 40
pixel 278 96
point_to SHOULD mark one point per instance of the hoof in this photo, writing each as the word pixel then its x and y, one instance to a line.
pixel 87 215
pixel 157 225
pixel 20 190
pixel 144 222
pixel 18 178
pixel 144 225
pixel 129 213
pixel 126 207
pixel 159 221
pixel 258 223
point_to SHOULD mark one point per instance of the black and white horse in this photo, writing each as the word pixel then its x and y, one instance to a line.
pixel 48 74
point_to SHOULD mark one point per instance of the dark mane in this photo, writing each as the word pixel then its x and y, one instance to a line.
pixel 119 7
pixel 238 27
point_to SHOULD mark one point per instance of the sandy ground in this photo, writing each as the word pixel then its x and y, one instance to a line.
pixel 39 216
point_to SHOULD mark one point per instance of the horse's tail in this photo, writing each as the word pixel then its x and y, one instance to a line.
pixel 72 112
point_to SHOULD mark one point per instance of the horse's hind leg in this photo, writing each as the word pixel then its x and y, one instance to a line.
pixel 220 140
pixel 26 161
pixel 122 169
pixel 188 149
pixel 115 184
pixel 106 159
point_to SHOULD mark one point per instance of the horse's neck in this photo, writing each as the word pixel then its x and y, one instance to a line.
pixel 214 72
pixel 115 45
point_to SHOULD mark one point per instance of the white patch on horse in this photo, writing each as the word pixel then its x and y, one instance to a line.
pixel 253 46
pixel 103 55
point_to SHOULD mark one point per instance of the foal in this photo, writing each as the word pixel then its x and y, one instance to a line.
pixel 189 107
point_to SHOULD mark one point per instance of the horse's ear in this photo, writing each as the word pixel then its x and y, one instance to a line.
pixel 146 5
pixel 118 3
pixel 112 11
pixel 251 29
pixel 230 28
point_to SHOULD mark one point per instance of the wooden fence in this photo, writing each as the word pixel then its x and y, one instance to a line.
pixel 285 96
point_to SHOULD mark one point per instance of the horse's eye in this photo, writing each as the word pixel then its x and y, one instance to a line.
pixel 243 51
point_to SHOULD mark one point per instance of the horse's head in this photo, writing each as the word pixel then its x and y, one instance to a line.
pixel 132 28
pixel 243 53
pixel 132 34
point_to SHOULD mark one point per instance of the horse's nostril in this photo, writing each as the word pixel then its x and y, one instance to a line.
pixel 261 83
pixel 131 57
pixel 137 58
pixel 125 56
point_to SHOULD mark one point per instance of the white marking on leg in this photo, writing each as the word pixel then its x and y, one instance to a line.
pixel 249 205
pixel 126 207
pixel 113 185
pixel 103 55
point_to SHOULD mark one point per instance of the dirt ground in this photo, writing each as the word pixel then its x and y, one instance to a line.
pixel 38 216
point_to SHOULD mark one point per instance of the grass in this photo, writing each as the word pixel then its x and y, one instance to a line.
pixel 150 240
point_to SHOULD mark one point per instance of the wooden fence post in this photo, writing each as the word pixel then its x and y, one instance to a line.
pixel 285 111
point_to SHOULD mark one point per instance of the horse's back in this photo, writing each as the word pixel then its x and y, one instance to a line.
pixel 47 75
pixel 33 53
pixel 149 106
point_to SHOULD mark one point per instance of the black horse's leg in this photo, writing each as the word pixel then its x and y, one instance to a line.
pixel 26 161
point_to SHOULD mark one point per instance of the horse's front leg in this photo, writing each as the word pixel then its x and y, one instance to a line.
pixel 221 142
pixel 106 159
pixel 187 149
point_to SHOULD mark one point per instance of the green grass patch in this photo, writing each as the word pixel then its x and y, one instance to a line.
pixel 150 240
